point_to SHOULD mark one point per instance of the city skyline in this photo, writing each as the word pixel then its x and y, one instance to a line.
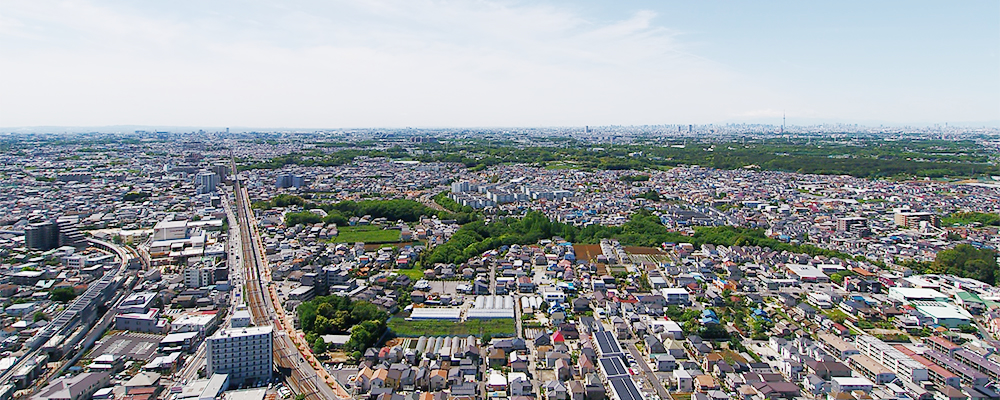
pixel 492 64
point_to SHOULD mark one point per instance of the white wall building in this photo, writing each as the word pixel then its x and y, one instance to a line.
pixel 243 353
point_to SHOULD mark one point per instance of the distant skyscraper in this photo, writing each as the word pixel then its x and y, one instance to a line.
pixel 690 128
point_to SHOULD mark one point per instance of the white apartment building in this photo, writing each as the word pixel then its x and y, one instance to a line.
pixel 245 354
pixel 905 367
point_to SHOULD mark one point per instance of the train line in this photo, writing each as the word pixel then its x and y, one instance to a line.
pixel 301 376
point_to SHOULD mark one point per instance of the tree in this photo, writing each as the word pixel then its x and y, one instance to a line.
pixel 40 316
pixel 326 310
pixel 62 294
pixel 322 325
pixel 319 346
pixel 967 261
pixel 487 338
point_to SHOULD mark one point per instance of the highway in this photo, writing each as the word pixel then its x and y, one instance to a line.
pixel 302 378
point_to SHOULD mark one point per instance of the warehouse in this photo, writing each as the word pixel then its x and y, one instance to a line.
pixel 441 313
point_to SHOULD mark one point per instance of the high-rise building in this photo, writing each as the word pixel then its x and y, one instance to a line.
pixel 222 170
pixel 206 181
pixel 42 236
pixel 243 353
pixel 69 234
pixel 197 277
pixel 288 181
pixel 460 187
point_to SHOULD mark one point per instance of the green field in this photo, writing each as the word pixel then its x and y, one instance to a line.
pixel 414 274
pixel 365 233
pixel 476 327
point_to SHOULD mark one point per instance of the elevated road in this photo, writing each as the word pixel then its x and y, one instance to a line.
pixel 289 359
pixel 103 291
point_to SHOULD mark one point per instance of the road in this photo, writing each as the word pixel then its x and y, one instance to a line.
pixel 265 309
pixel 646 371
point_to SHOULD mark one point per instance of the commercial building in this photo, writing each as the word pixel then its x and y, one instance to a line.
pixel 77 387
pixel 169 229
pixel 907 295
pixel 137 303
pixel 245 354
pixel 943 314
pixel 807 273
pixel 148 322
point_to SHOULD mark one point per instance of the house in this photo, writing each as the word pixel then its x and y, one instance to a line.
pixel 556 390
pixel 519 384
pixel 577 391
pixel 665 362
pixel 438 380
pixel 581 304
pixel 654 345
pixel 704 383
pixel 563 370
pixel 569 331
pixel 497 358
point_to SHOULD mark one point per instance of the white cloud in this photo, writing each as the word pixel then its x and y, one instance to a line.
pixel 369 63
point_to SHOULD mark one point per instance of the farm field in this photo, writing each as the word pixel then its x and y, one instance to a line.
pixel 366 234
pixel 476 327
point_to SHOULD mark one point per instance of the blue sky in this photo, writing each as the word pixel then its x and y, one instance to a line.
pixel 375 63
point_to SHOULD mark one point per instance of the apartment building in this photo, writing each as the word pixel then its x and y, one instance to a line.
pixel 245 354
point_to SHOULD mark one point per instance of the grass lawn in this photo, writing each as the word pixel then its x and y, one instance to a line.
pixel 365 233
pixel 415 274
pixel 475 327
pixel 553 166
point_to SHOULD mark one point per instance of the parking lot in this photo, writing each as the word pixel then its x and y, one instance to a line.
pixel 134 346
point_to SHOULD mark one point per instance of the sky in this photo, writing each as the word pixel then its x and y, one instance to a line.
pixel 427 63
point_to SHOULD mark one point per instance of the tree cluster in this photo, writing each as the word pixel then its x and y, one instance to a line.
pixel 339 315
pixel 967 261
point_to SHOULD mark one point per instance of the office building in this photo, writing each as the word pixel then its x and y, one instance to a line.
pixel 245 354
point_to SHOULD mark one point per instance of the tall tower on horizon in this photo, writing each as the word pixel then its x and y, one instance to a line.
pixel 782 122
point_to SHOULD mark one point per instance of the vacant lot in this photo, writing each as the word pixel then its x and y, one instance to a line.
pixel 366 234
pixel 476 327
pixel 587 252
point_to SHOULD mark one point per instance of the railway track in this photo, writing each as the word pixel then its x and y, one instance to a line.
pixel 302 378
